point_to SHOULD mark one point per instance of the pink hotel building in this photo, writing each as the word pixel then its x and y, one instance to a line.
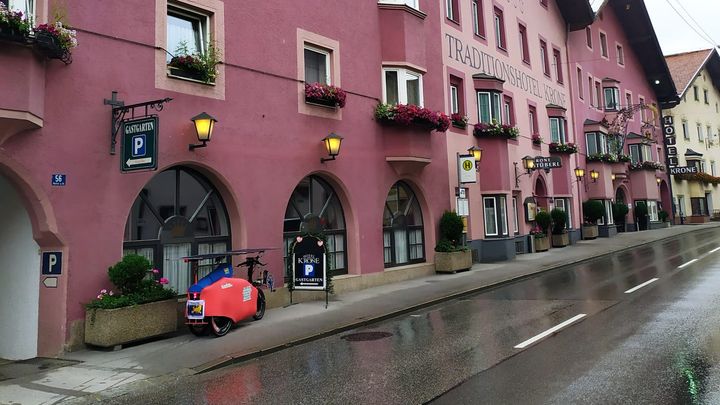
pixel 71 211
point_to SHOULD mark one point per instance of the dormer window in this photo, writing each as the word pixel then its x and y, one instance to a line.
pixel 402 86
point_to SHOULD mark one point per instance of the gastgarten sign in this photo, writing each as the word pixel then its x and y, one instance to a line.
pixel 139 144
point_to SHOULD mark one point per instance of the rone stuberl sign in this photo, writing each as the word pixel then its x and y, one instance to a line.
pixel 139 144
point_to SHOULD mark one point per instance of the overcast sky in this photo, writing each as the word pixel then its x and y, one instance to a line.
pixel 674 34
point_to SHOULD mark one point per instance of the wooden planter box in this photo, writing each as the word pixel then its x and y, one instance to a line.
pixel 589 231
pixel 113 327
pixel 450 262
pixel 542 244
pixel 561 240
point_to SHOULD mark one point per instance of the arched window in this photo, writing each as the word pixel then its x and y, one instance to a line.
pixel 314 208
pixel 178 213
pixel 403 238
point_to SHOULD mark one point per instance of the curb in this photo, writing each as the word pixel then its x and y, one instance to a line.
pixel 243 356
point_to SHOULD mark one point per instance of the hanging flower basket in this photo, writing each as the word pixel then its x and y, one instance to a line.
pixel 325 95
pixel 412 115
pixel 566 148
pixel 55 41
pixel 495 130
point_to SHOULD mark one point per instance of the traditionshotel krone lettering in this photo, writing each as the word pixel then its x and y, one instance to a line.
pixel 139 127
pixel 490 65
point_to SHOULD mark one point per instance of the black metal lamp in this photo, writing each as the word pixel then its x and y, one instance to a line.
pixel 332 145
pixel 204 124
pixel 579 173
pixel 477 154
pixel 594 175
pixel 529 163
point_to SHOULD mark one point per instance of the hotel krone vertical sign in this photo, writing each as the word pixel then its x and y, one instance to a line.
pixel 513 76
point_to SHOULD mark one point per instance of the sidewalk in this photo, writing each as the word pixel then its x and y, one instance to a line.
pixel 96 374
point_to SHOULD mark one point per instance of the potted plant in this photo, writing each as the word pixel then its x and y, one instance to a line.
pixel 663 215
pixel 200 66
pixel 412 115
pixel 451 254
pixel 543 222
pixel 55 41
pixel 325 95
pixel 620 210
pixel 140 309
pixel 641 215
pixel 459 120
pixel 495 130
pixel 560 237
pixel 593 210
pixel 566 148
pixel 536 139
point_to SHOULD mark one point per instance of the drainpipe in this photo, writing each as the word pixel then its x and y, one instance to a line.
pixel 575 126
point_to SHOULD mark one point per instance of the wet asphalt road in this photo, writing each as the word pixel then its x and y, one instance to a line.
pixel 659 344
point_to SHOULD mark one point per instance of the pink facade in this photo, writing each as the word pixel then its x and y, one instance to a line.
pixel 610 77
pixel 266 140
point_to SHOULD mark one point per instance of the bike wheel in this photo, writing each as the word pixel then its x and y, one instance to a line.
pixel 260 306
pixel 199 329
pixel 220 326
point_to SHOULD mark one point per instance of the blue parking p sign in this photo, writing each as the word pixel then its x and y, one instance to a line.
pixel 52 263
pixel 139 145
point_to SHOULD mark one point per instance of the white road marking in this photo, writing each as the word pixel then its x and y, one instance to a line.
pixel 687 264
pixel 715 250
pixel 652 280
pixel 550 331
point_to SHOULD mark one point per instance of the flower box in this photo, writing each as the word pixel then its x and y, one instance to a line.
pixel 647 165
pixel 412 115
pixel 14 26
pixel 495 130
pixel 55 41
pixel 12 35
pixel 325 95
pixel 451 262
pixel 187 74
pixel 458 120
pixel 560 240
pixel 113 327
pixel 566 148
pixel 49 45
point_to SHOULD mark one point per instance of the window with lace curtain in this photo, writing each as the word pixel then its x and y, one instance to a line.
pixel 403 236
pixel 177 214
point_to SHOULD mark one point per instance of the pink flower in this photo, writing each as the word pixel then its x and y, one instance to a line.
pixel 99 296
pixel 163 280
pixel 156 271
pixel 103 291
pixel 110 293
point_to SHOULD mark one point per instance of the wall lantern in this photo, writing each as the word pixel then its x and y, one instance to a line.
pixel 594 175
pixel 477 154
pixel 612 177
pixel 204 124
pixel 332 145
pixel 579 173
pixel 528 163
pixel 659 180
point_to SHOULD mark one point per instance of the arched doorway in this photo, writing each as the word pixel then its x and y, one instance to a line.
pixel 540 193
pixel 403 236
pixel 620 196
pixel 666 201
pixel 19 278
pixel 178 213
pixel 314 207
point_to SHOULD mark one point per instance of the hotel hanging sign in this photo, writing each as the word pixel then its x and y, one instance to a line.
pixel 139 144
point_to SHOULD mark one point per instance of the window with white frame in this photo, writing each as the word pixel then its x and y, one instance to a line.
pixel 639 153
pixel 532 115
pixel 700 132
pixel 620 55
pixel 495 216
pixel 454 101
pixel 557 130
pixel 653 210
pixel 612 98
pixel 563 204
pixel 26 7
pixel 402 86
pixel 544 58
pixel 499 28
pixel 477 18
pixel 187 32
pixel 702 166
pixel 603 45
pixel 451 9
pixel 712 168
pixel 596 143
pixel 489 107
pixel 516 225
pixel 508 111
pixel 708 131
pixel 686 130
pixel 317 65
pixel 606 219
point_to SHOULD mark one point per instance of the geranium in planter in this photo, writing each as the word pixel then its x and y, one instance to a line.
pixel 495 130
pixel 325 94
pixel 407 115
pixel 14 26
pixel 602 157
pixel 567 148
pixel 459 120
pixel 142 308
pixel 451 254
pixel 536 139
pixel 647 165
pixel 200 66
pixel 55 41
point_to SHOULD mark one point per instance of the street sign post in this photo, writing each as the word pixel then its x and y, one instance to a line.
pixel 139 145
